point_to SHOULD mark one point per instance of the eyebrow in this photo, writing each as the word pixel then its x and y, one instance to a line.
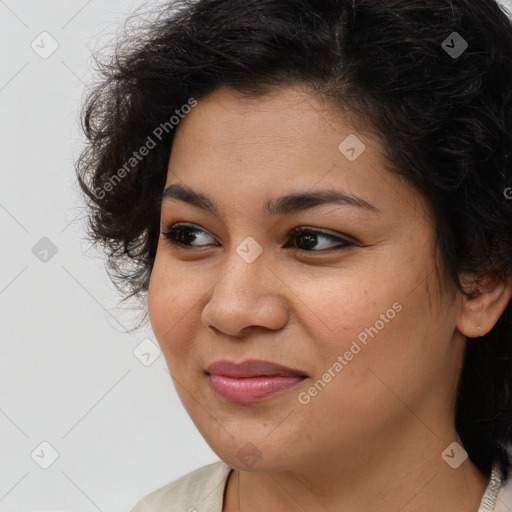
pixel 286 204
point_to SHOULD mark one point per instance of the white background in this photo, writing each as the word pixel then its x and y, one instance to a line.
pixel 68 375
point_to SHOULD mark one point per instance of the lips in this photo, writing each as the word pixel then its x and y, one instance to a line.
pixel 252 381
pixel 252 368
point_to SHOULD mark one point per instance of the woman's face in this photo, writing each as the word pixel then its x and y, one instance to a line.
pixel 353 303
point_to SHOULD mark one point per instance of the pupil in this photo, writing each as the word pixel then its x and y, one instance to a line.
pixel 311 241
pixel 182 235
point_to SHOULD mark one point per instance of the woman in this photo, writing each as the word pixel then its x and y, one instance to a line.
pixel 316 197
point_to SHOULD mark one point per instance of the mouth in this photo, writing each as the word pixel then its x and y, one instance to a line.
pixel 252 381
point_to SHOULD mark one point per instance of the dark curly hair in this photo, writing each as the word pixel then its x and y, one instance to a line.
pixel 445 120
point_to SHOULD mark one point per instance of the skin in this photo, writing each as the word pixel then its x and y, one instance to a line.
pixel 372 438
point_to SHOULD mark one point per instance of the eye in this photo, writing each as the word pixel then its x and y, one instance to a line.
pixel 181 234
pixel 309 238
pixel 186 236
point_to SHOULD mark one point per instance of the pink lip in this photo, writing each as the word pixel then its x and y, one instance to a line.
pixel 251 381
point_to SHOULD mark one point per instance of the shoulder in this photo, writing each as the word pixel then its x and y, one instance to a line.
pixel 202 489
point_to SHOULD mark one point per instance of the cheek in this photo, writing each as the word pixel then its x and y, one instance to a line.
pixel 173 302
pixel 372 322
pixel 336 309
pixel 165 309
pixel 158 297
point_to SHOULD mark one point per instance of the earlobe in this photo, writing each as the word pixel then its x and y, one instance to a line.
pixel 481 310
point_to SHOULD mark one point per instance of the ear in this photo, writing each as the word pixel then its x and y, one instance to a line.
pixel 484 307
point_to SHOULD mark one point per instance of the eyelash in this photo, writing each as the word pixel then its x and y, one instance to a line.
pixel 171 231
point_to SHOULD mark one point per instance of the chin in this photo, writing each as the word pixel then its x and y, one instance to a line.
pixel 244 454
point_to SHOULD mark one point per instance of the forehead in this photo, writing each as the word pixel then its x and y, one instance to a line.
pixel 285 114
pixel 287 130
pixel 241 147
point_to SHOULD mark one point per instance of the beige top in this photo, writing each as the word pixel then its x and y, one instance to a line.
pixel 202 490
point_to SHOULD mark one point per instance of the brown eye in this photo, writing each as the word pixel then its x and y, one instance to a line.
pixel 308 238
pixel 184 235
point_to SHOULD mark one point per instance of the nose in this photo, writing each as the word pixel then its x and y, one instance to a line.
pixel 247 295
